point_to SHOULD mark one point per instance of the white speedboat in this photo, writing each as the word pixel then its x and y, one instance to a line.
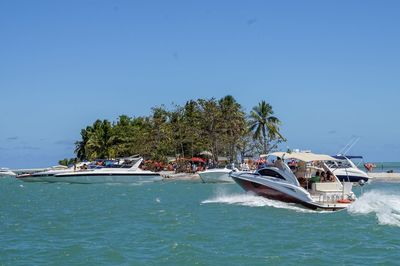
pixel 278 182
pixel 5 172
pixel 346 170
pixel 97 175
pixel 216 175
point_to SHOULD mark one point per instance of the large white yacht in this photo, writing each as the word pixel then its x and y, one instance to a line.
pixel 97 175
pixel 280 182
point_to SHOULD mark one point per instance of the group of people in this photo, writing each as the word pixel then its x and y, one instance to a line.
pixel 322 177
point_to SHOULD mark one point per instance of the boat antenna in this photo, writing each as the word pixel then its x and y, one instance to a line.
pixel 349 145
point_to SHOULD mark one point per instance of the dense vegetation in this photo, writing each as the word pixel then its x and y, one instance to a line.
pixel 218 126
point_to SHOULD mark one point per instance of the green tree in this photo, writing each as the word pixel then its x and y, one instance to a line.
pixel 176 118
pixel 123 136
pixel 210 126
pixel 161 134
pixel 100 143
pixel 233 125
pixel 219 126
pixel 191 124
pixel 264 125
pixel 81 146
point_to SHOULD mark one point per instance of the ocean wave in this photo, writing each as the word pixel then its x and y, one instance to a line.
pixel 385 206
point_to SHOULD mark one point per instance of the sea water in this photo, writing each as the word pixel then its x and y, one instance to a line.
pixel 385 167
pixel 190 223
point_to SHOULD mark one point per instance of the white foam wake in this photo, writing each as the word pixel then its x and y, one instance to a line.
pixel 385 206
pixel 251 200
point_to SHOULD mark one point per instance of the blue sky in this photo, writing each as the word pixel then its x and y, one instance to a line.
pixel 330 69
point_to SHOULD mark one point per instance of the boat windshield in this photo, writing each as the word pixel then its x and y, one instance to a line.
pixel 341 164
pixel 117 163
pixel 270 172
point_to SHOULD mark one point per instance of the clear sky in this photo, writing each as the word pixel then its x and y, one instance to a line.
pixel 330 69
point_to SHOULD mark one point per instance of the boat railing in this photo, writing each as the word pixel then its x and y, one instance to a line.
pixel 329 197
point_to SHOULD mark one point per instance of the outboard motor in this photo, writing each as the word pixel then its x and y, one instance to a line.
pixel 361 182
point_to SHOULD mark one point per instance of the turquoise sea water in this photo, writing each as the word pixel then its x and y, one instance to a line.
pixel 190 223
pixel 386 166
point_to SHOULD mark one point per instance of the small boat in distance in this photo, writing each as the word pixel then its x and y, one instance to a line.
pixel 217 175
pixel 113 174
pixel 279 182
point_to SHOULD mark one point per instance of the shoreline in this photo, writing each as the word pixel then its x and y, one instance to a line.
pixel 384 176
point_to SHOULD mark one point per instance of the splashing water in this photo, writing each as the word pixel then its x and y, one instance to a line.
pixel 385 206
pixel 252 200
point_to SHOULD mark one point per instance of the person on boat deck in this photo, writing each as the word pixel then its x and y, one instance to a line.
pixel 314 179
pixel 278 163
pixel 323 177
pixel 329 177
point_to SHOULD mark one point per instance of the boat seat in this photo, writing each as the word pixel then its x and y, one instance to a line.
pixel 326 187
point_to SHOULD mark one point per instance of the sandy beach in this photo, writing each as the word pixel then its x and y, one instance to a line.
pixel 385 176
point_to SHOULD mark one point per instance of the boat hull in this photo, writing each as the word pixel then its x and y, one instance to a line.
pixel 266 191
pixel 215 177
pixel 275 194
pixel 94 178
pixel 352 178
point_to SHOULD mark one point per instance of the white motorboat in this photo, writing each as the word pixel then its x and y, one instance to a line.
pixel 346 170
pixel 97 175
pixel 279 182
pixel 5 172
pixel 216 175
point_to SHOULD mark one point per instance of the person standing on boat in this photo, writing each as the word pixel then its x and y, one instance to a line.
pixel 323 177
pixel 314 179
pixel 278 163
pixel 329 176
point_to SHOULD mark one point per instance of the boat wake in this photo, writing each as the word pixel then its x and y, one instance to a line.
pixel 385 206
pixel 251 200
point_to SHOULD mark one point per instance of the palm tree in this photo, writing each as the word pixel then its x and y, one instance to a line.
pixel 264 125
pixel 100 143
pixel 233 124
pixel 81 146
